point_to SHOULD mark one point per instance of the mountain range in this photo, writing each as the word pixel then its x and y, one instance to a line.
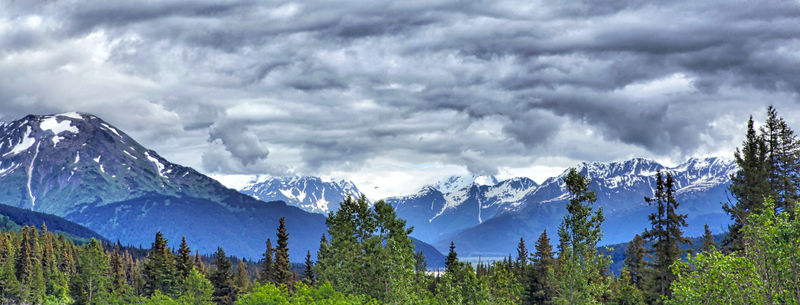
pixel 486 217
pixel 488 220
pixel 81 168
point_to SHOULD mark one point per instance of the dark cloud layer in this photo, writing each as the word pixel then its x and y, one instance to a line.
pixel 316 86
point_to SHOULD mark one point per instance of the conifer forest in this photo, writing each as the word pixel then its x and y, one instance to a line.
pixel 367 256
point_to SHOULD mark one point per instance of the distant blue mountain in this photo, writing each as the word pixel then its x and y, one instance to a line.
pixel 488 220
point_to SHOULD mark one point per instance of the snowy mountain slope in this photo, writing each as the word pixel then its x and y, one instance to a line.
pixel 83 169
pixel 312 194
pixel 701 186
pixel 459 202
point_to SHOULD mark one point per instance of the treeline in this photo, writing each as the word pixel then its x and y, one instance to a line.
pixel 367 256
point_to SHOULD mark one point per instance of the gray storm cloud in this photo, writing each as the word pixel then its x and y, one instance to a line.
pixel 319 87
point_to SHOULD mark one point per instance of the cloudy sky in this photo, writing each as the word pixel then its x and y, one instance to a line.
pixel 393 95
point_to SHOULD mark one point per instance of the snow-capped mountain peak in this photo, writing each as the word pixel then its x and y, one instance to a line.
pixel 60 157
pixel 455 183
pixel 313 194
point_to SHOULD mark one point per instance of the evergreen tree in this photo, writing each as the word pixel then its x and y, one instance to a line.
pixel 241 281
pixel 267 264
pixel 666 234
pixel 184 262
pixel 783 156
pixel 749 185
pixel 283 268
pixel 539 289
pixel 452 258
pixel 222 279
pixel 197 289
pixel 370 253
pixel 635 264
pixel 580 274
pixel 159 272
pixel 708 241
pixel 29 268
pixel 118 274
pixel 308 271
pixel 92 283
pixel 522 259
pixel 10 288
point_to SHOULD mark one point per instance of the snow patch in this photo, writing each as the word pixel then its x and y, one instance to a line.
pixel 111 129
pixel 4 171
pixel 52 124
pixel 129 154
pixel 159 166
pixel 27 142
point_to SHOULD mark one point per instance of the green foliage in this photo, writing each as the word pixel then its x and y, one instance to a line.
pixel 320 294
pixel 623 292
pixel 717 279
pixel 197 290
pixel 768 272
pixel 505 287
pixel 369 253
pixel 459 285
pixel 92 283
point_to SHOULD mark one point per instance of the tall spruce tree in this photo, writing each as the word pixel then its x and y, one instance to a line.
pixel 222 279
pixel 667 236
pixel 159 272
pixel 268 265
pixel 708 240
pixel 184 261
pixel 118 274
pixel 451 260
pixel 308 271
pixel 283 268
pixel 522 260
pixel 540 289
pixel 783 156
pixel 635 262
pixel 749 185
